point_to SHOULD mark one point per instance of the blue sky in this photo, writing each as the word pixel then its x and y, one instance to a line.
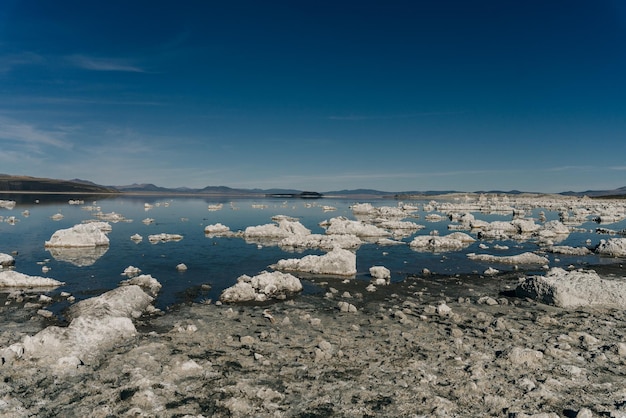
pixel 316 95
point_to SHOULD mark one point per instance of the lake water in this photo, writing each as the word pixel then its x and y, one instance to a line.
pixel 218 261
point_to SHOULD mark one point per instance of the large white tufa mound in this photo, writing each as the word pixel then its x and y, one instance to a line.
pixel 97 324
pixel 11 278
pixel 524 258
pixel 451 242
pixel 262 287
pixel 614 247
pixel 338 262
pixel 574 289
pixel 6 260
pixel 81 235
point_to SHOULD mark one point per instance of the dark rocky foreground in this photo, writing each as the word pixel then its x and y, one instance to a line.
pixel 460 346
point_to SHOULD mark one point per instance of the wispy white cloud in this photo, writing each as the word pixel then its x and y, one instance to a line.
pixel 10 62
pixel 104 64
pixel 27 133
pixel 81 101
pixel 618 168
pixel 388 117
pixel 571 168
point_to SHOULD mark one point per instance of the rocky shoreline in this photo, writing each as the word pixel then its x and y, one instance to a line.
pixel 428 346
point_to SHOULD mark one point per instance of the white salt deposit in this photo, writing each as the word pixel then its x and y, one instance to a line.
pixel 6 260
pixel 324 242
pixel 163 237
pixel 571 289
pixel 452 242
pixel 81 235
pixel 338 262
pixel 131 271
pixel 217 229
pixel 283 229
pixel 342 226
pixel 262 287
pixel 12 278
pixel 380 275
pixel 7 204
pixel 96 324
pixel 524 258
pixel 614 247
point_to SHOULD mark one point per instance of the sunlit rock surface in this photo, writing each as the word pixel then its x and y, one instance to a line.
pixel 97 324
pixel 343 226
pixel 6 260
pixel 524 258
pixel 81 235
pixel 614 247
pixel 452 242
pixel 262 287
pixel 571 289
pixel 12 278
pixel 339 261
pixel 164 237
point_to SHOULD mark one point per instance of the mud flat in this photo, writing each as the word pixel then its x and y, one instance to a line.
pixel 429 346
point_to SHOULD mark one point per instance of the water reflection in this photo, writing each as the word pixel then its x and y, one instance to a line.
pixel 80 257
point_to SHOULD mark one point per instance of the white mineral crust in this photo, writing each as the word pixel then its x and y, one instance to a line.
pixel 575 289
pixel 12 278
pixel 264 286
pixel 81 235
pixel 339 262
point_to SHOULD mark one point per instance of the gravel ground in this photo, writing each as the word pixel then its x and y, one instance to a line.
pixel 429 346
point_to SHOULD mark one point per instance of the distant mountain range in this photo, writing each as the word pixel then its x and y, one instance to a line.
pixel 27 184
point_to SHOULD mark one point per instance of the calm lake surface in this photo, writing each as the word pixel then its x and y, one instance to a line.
pixel 219 261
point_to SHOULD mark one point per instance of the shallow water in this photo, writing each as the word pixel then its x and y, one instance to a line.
pixel 218 261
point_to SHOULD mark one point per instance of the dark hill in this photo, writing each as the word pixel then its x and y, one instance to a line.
pixel 28 184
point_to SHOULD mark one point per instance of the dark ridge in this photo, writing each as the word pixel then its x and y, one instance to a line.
pixel 26 184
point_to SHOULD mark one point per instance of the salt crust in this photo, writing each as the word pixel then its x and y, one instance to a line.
pixel 572 289
pixel 81 235
pixel 339 261
pixel 614 247
pixel 524 258
pixel 96 324
pixel 12 278
pixel 262 287
pixel 6 260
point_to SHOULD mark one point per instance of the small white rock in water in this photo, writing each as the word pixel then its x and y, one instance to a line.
pixel 136 237
pixel 57 217
pixel 45 269
pixel 181 267
pixel 131 271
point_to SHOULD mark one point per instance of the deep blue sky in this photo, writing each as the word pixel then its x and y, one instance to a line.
pixel 316 95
